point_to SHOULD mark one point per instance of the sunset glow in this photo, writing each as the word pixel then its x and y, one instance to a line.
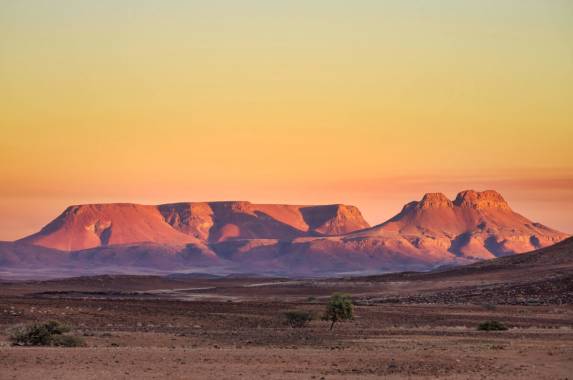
pixel 371 103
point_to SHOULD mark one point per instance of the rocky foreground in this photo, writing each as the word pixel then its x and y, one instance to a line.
pixel 228 328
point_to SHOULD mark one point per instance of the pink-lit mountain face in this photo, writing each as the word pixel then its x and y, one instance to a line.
pixel 281 239
pixel 473 225
pixel 96 225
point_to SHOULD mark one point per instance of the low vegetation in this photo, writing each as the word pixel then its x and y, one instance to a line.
pixel 298 318
pixel 492 326
pixel 339 308
pixel 51 333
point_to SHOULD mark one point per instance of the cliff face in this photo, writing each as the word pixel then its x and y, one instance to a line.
pixel 488 199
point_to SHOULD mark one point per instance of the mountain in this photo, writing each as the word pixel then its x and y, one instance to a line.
pixel 229 237
pixel 475 224
pixel 95 225
pixel 98 225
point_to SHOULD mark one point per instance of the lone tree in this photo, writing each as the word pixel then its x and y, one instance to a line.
pixel 339 308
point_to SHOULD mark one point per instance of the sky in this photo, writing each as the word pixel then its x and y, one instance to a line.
pixel 364 102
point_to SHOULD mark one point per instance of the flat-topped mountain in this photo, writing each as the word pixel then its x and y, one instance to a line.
pixel 94 225
pixel 219 221
pixel 228 237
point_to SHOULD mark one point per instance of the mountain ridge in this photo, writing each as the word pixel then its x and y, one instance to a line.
pixel 92 225
pixel 287 239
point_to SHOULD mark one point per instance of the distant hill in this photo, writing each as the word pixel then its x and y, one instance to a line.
pixel 557 255
pixel 544 276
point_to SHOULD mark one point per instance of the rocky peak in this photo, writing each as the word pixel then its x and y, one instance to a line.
pixel 232 206
pixel 195 219
pixel 481 200
pixel 333 219
pixel 434 200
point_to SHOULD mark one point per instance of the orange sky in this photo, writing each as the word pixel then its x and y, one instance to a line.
pixel 367 103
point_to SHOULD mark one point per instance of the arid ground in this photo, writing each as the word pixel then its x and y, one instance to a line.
pixel 199 328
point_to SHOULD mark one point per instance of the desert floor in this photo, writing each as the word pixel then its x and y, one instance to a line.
pixel 211 329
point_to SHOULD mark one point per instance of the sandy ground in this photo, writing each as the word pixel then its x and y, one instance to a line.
pixel 145 331
pixel 158 356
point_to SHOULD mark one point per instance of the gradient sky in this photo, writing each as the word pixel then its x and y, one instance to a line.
pixel 364 102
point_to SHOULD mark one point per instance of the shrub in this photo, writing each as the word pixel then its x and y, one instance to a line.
pixel 339 308
pixel 56 328
pixel 492 326
pixel 34 335
pixel 49 333
pixel 67 341
pixel 298 318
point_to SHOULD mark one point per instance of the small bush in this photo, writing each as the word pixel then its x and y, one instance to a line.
pixel 492 326
pixel 298 318
pixel 57 328
pixel 34 335
pixel 49 333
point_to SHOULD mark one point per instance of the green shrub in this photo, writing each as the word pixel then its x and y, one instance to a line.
pixel 57 328
pixel 49 333
pixel 298 318
pixel 492 326
pixel 34 335
pixel 339 308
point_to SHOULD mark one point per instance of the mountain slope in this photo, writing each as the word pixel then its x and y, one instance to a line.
pixel 557 255
pixel 544 276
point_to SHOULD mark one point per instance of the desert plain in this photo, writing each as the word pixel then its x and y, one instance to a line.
pixel 405 326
